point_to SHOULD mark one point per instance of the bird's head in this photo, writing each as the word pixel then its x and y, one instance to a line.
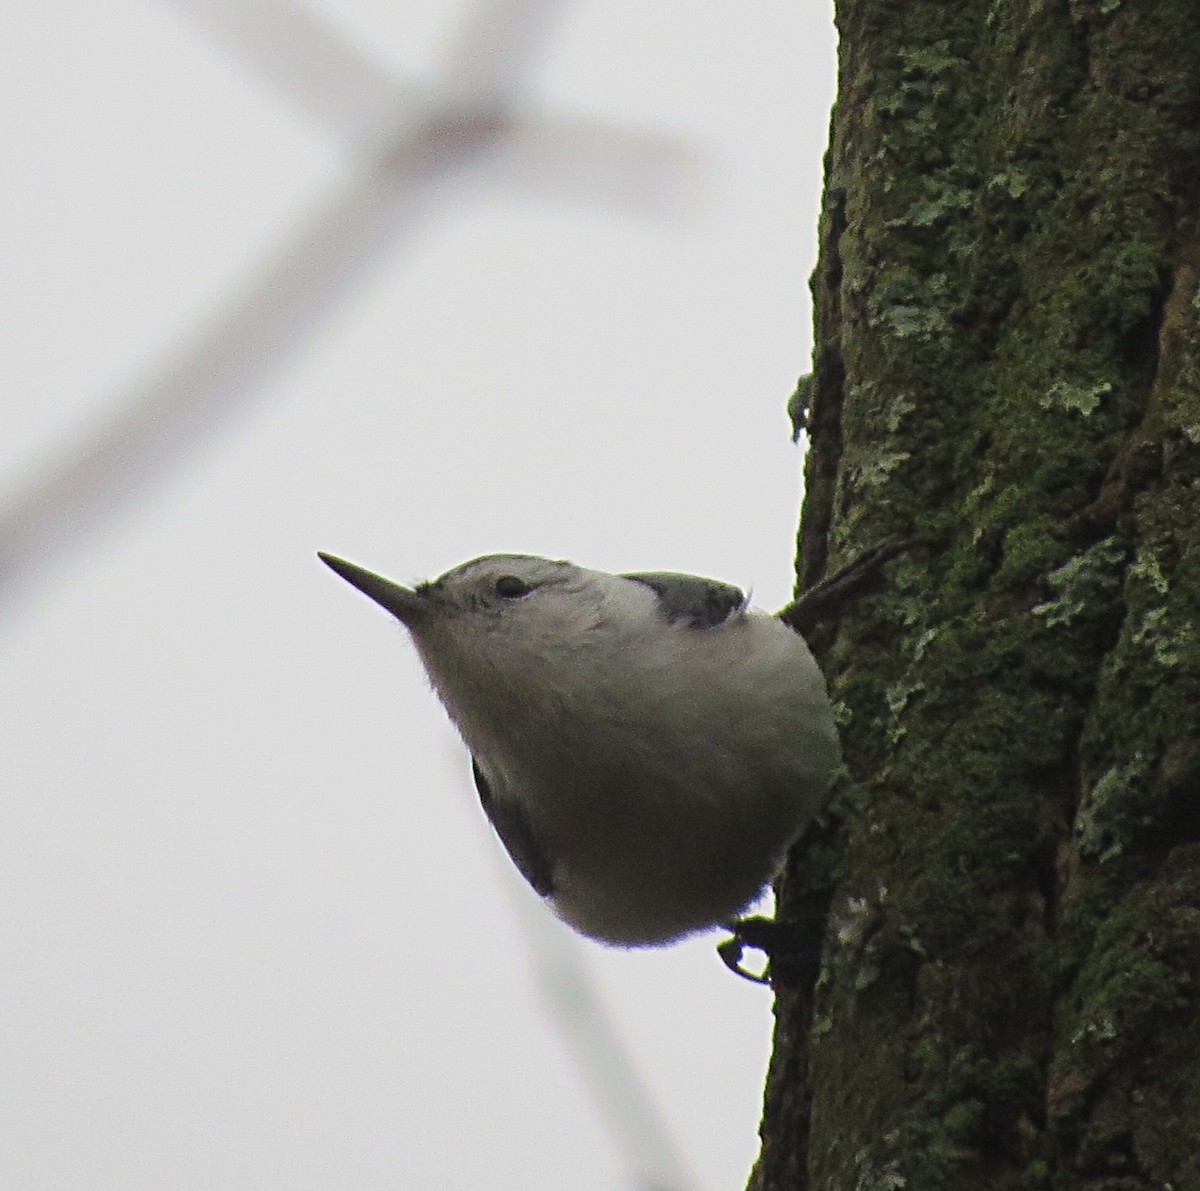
pixel 502 611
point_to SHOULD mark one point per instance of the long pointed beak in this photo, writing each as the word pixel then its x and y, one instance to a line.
pixel 402 602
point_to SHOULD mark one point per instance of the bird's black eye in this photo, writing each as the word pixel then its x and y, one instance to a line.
pixel 509 587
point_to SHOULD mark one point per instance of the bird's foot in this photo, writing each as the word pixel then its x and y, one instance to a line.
pixel 757 934
pixel 789 959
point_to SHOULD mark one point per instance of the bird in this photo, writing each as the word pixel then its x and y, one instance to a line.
pixel 647 746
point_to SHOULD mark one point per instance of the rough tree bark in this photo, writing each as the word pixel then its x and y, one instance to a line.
pixel 1008 365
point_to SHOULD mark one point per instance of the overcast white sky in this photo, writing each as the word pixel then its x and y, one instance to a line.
pixel 256 931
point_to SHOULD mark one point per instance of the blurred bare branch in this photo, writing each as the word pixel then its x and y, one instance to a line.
pixel 408 140
pixel 352 96
pixel 592 1039
pixel 189 394
pixel 320 71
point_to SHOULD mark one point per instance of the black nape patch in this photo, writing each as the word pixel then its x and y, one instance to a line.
pixel 702 603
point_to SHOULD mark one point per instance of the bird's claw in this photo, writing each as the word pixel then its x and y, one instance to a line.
pixel 757 934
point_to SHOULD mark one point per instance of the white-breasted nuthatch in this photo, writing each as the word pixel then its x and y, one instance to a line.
pixel 646 746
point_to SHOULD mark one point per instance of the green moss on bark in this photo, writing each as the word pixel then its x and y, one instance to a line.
pixel 1008 364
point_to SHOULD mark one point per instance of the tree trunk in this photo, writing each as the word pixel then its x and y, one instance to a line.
pixel 1008 367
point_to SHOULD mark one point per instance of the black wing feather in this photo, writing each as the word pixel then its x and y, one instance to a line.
pixel 702 603
pixel 516 834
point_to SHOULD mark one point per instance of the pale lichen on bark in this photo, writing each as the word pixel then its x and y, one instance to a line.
pixel 1008 365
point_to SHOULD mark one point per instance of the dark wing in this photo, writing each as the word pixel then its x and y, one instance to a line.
pixel 516 835
pixel 703 603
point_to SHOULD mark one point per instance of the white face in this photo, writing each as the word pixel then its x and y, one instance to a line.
pixel 497 628
pixel 499 581
pixel 505 609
